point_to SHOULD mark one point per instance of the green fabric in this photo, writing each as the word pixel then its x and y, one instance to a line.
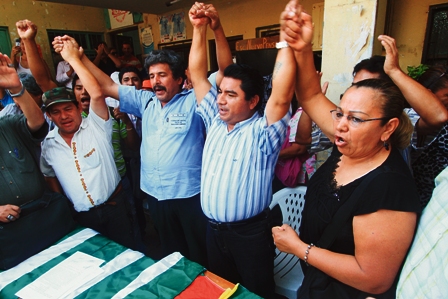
pixel 21 180
pixel 118 134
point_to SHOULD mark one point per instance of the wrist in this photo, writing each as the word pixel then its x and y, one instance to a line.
pixel 16 91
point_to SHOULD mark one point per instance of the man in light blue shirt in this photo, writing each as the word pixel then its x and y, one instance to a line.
pixel 173 136
pixel 239 157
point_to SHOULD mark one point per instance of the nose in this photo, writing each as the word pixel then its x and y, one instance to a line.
pixel 221 99
pixel 342 124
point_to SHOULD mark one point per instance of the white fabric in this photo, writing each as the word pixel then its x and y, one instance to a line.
pixel 7 277
pixel 425 272
pixel 91 147
pixel 149 274
pixel 61 74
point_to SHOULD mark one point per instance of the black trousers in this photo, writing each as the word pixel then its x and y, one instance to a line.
pixel 244 253
pixel 181 225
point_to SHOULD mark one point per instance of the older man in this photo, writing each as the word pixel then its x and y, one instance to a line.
pixel 78 156
pixel 239 157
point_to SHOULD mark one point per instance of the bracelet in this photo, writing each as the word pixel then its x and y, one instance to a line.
pixel 130 129
pixel 20 93
pixel 281 45
pixel 305 258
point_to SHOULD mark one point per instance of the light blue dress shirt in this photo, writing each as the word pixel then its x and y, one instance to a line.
pixel 172 142
pixel 238 166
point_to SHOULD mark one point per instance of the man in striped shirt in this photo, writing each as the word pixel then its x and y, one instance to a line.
pixel 239 157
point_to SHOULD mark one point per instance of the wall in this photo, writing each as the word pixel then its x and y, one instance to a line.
pixel 48 15
pixel 237 17
pixel 408 27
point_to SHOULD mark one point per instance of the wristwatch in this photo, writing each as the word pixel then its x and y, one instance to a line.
pixel 281 45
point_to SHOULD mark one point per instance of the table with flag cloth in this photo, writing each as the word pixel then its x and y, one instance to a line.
pixel 125 273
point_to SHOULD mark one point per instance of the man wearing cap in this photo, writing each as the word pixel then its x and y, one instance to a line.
pixel 77 156
pixel 20 178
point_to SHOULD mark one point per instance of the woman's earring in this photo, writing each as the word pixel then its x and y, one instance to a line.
pixel 386 145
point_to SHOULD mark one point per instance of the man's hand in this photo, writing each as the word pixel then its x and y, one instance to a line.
pixel 70 52
pixel 58 42
pixel 15 51
pixel 9 213
pixel 26 29
pixel 296 26
pixel 391 63
pixel 212 13
pixel 197 15
pixel 8 75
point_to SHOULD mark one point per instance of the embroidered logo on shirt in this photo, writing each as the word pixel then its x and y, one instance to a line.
pixel 89 153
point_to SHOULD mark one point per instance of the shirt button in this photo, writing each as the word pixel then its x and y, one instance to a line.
pixel 10 182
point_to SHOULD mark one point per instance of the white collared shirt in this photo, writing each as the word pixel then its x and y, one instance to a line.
pixel 86 169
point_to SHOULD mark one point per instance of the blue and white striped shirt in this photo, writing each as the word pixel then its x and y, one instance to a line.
pixel 238 166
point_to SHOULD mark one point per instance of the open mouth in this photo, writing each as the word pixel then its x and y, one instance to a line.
pixel 83 100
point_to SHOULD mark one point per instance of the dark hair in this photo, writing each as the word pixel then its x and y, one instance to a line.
pixel 392 103
pixel 374 64
pixel 30 84
pixel 435 78
pixel 100 43
pixel 75 78
pixel 252 82
pixel 173 59
pixel 129 69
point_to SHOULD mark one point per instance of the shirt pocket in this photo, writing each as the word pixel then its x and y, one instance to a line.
pixel 19 158
pixel 89 158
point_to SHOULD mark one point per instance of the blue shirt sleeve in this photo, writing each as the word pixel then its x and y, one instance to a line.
pixel 133 101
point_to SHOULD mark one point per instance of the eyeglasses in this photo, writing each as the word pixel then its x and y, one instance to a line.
pixel 435 80
pixel 352 120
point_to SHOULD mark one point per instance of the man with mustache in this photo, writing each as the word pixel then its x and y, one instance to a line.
pixel 172 143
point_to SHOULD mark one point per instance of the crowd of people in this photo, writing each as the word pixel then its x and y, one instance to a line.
pixel 202 160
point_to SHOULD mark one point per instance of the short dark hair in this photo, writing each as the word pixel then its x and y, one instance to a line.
pixel 129 69
pixel 435 78
pixel 30 84
pixel 173 59
pixel 75 78
pixel 374 64
pixel 252 82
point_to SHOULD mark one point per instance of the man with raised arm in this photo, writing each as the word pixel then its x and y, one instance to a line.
pixel 78 155
pixel 239 157
pixel 172 144
pixel 20 180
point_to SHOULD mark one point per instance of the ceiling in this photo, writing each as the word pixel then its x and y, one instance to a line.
pixel 156 7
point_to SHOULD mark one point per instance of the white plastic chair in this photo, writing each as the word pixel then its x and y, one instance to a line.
pixel 287 271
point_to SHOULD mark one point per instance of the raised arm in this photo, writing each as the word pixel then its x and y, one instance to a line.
pixel 72 54
pixel 283 78
pixel 433 114
pixel 10 81
pixel 197 64
pixel 27 31
pixel 298 28
pixel 223 53
pixel 108 86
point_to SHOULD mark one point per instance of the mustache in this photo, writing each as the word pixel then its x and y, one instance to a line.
pixel 159 87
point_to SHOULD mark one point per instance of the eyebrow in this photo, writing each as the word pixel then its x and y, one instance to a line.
pixel 353 111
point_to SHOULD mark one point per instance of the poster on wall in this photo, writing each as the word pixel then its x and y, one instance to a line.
pixel 120 18
pixel 166 28
pixel 147 39
pixel 179 29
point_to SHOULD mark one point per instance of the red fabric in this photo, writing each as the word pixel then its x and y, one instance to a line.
pixel 201 288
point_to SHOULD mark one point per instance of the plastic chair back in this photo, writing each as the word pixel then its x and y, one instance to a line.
pixel 287 270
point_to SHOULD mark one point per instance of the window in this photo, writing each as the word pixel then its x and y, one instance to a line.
pixel 435 50
pixel 87 40
pixel 5 42
pixel 212 50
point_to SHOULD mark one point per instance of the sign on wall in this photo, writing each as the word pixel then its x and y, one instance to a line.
pixel 147 39
pixel 172 27
pixel 120 18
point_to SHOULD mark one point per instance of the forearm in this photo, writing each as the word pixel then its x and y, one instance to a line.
pixel 115 60
pixel 34 116
pixel 37 66
pixel 433 114
pixel 108 86
pixel 292 151
pixel 198 63
pixel 54 185
pixel 304 126
pixel 223 53
pixel 309 93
